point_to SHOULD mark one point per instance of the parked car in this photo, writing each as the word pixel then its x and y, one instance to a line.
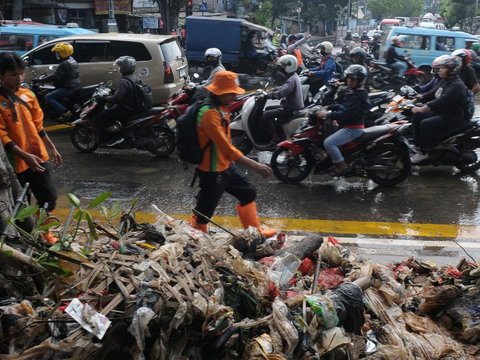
pixel 161 62
pixel 423 45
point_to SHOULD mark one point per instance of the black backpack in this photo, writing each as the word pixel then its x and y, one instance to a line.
pixel 339 70
pixel 188 147
pixel 470 104
pixel 143 95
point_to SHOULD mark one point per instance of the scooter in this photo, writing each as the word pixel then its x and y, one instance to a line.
pixel 381 154
pixel 148 130
pixel 248 131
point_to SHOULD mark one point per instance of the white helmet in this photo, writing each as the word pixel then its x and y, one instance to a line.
pixel 214 53
pixel 288 63
pixel 328 46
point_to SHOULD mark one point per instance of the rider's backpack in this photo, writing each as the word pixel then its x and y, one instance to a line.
pixel 143 95
pixel 470 104
pixel 188 147
pixel 339 70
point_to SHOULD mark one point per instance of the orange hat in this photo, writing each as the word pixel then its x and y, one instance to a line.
pixel 225 82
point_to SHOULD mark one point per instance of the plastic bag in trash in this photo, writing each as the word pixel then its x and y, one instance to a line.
pixel 348 302
pixel 437 297
pixel 324 308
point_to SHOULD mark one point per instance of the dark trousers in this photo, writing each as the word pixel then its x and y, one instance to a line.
pixel 429 128
pixel 41 185
pixel 214 184
pixel 274 119
pixel 316 82
pixel 52 99
pixel 108 117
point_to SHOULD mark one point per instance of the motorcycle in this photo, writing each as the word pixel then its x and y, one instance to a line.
pixel 461 150
pixel 379 101
pixel 381 76
pixel 149 130
pixel 381 154
pixel 73 103
pixel 248 132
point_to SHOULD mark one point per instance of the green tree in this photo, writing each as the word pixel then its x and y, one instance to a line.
pixel 388 8
pixel 454 11
pixel 323 12
pixel 170 10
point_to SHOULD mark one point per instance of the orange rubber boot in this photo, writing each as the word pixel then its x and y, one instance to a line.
pixel 49 236
pixel 196 225
pixel 248 217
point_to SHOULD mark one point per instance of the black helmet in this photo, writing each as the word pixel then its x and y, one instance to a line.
pixel 357 72
pixel 292 37
pixel 358 55
pixel 126 64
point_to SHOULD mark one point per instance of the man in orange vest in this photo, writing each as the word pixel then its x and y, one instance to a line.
pixel 293 47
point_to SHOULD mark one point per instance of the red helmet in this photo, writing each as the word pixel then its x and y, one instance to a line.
pixel 463 54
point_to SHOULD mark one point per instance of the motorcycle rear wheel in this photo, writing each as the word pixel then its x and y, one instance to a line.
pixel 167 142
pixel 388 164
pixel 84 138
pixel 291 168
pixel 241 141
pixel 472 146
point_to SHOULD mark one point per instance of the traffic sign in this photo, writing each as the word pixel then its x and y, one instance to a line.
pixel 203 7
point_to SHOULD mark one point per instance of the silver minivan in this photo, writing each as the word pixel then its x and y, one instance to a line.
pixel 161 62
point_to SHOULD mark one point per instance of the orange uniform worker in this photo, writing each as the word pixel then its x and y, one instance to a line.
pixel 218 172
pixel 22 134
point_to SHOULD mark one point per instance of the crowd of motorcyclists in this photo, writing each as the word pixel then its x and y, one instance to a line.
pixel 441 108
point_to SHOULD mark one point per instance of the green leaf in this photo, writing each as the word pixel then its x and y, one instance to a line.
pixel 26 212
pixel 55 268
pixel 75 201
pixel 7 252
pixel 56 247
pixel 115 210
pixel 99 199
pixel 91 227
pixel 79 215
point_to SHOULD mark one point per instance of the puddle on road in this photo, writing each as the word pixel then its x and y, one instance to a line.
pixel 91 189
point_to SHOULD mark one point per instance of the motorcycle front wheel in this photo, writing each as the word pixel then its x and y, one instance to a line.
pixel 241 141
pixel 470 160
pixel 84 138
pixel 289 167
pixel 388 164
pixel 165 140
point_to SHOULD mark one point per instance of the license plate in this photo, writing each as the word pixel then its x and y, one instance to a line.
pixel 183 72
pixel 171 123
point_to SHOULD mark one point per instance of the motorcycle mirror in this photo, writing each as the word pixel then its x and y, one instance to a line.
pixel 25 85
pixel 196 76
pixel 51 67
pixel 27 60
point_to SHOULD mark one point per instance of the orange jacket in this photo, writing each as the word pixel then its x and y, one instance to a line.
pixel 24 131
pixel 213 130
pixel 298 55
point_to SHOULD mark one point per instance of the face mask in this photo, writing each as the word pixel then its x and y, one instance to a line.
pixel 323 53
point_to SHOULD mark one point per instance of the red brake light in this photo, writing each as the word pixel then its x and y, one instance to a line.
pixel 168 74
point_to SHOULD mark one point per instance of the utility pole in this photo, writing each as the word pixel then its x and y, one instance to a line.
pixel 111 22
pixel 349 13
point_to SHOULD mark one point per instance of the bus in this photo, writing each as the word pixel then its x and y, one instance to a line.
pixel 24 36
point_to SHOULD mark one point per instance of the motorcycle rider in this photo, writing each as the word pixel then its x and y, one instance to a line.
pixel 293 47
pixel 65 78
pixel 353 43
pixel 364 37
pixel 475 50
pixel 349 113
pixel 434 81
pixel 348 37
pixel 358 56
pixel 218 172
pixel 123 100
pixel 290 90
pixel 467 73
pixel 320 75
pixel 444 111
pixel 213 58
pixel 394 59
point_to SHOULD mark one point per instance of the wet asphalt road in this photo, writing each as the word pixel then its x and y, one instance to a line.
pixel 431 195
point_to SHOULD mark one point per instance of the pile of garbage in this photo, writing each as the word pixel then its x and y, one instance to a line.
pixel 168 291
